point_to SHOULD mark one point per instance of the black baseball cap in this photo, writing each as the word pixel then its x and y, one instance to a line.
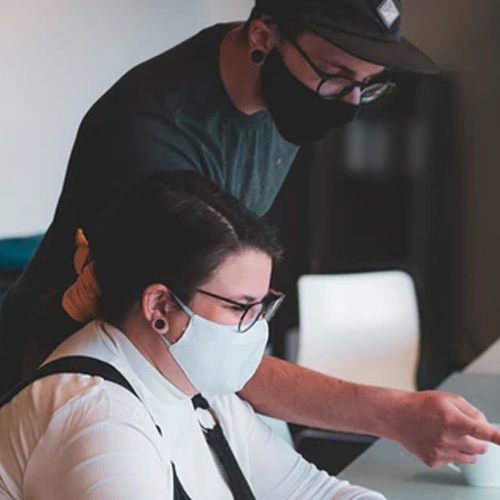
pixel 368 29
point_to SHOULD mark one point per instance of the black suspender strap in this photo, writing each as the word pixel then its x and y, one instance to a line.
pixel 215 437
pixel 216 440
pixel 72 364
pixel 179 491
pixel 94 367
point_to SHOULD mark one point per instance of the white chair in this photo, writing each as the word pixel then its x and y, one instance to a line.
pixel 361 327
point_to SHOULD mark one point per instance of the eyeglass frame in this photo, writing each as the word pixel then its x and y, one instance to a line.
pixel 325 77
pixel 268 310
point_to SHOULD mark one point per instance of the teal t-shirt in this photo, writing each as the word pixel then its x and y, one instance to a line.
pixel 172 112
pixel 169 113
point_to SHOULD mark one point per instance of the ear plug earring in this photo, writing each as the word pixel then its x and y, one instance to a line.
pixel 257 56
pixel 159 324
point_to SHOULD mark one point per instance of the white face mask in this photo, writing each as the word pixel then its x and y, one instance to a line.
pixel 218 359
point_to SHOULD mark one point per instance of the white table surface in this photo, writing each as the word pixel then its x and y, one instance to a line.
pixel 387 467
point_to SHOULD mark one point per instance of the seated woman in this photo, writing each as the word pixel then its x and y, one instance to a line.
pixel 178 278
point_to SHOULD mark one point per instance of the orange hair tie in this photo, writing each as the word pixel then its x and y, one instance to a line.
pixel 80 299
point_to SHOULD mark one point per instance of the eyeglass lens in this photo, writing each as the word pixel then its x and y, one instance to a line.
pixel 338 87
pixel 265 310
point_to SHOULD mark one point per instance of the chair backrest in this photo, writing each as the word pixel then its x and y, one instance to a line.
pixel 15 254
pixel 361 327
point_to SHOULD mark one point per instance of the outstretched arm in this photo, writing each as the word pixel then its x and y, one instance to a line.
pixel 437 427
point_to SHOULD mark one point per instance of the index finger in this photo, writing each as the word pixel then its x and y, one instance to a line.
pixel 485 432
pixel 479 427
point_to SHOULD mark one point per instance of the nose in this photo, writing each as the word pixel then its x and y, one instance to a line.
pixel 353 97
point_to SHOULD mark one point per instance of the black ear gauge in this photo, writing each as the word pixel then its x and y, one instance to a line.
pixel 160 324
pixel 257 56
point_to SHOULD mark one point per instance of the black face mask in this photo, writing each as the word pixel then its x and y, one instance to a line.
pixel 300 114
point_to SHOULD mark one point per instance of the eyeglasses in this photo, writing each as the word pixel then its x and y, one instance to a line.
pixel 265 308
pixel 337 86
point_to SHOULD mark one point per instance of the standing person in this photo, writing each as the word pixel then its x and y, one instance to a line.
pixel 233 103
pixel 180 273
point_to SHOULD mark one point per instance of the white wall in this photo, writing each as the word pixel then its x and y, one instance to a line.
pixel 56 58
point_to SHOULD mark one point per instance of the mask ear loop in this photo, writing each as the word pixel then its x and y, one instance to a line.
pixel 276 36
pixel 186 309
pixel 183 306
pixel 167 342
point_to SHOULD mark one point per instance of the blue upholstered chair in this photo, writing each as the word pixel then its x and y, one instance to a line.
pixel 15 253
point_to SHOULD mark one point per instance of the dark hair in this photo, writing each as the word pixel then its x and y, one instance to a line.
pixel 288 25
pixel 173 228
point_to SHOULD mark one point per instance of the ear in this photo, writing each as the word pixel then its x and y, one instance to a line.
pixel 156 303
pixel 262 36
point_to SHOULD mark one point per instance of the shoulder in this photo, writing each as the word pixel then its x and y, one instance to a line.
pixel 71 417
pixel 73 401
pixel 179 71
pixel 101 439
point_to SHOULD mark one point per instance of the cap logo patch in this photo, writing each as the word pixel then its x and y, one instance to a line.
pixel 388 12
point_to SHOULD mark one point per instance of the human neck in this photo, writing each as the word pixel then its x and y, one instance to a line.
pixel 154 350
pixel 240 76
